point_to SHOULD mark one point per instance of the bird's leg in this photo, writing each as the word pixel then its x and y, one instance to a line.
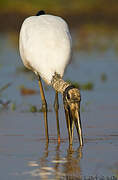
pixel 70 124
pixel 44 106
pixel 56 107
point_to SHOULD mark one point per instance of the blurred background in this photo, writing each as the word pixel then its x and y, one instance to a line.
pixel 94 69
pixel 92 19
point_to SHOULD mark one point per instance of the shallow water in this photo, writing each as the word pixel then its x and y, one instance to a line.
pixel 24 153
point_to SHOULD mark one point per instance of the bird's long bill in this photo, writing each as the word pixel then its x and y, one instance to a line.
pixel 77 121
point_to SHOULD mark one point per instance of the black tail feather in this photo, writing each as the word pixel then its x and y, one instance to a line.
pixel 40 13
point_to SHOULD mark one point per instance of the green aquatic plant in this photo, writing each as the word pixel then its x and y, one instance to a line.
pixel 33 109
pixel 74 83
pixel 103 77
pixel 86 86
pixel 42 110
pixel 4 87
pixel 13 106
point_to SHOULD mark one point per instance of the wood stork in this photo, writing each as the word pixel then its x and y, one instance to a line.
pixel 45 48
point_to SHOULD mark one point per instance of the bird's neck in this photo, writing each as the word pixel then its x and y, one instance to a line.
pixel 59 84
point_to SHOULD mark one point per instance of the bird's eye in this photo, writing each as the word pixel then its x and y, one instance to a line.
pixel 68 96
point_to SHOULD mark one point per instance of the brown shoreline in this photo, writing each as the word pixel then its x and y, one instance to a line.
pixel 11 21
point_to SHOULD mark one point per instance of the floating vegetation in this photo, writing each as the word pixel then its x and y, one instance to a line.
pixel 33 109
pixel 42 110
pixel 103 77
pixel 86 86
pixel 13 106
pixel 5 87
pixel 76 84
pixel 26 91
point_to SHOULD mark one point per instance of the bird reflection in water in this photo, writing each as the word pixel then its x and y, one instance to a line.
pixel 56 165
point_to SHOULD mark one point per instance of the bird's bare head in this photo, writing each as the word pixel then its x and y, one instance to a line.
pixel 72 97
pixel 72 100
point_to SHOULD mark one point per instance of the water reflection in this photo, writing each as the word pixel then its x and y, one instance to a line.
pixel 72 167
pixel 59 166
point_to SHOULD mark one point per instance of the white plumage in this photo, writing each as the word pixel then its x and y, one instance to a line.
pixel 45 45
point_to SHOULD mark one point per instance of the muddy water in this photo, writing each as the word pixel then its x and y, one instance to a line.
pixel 24 153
